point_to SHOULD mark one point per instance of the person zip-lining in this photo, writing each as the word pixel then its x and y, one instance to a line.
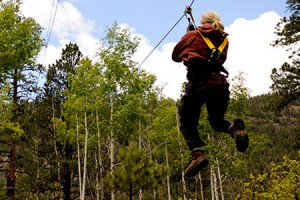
pixel 203 50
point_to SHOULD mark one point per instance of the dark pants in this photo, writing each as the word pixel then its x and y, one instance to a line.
pixel 197 93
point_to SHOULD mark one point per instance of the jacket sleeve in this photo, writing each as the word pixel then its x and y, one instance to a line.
pixel 179 50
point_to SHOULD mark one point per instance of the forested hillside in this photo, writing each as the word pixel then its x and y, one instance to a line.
pixel 103 129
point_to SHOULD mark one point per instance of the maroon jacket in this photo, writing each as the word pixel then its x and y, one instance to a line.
pixel 192 46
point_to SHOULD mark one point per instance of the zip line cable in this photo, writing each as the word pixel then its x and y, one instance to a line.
pixel 164 36
pixel 50 20
pixel 50 27
pixel 160 42
pixel 187 10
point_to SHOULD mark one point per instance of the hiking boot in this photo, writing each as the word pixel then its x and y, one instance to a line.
pixel 198 162
pixel 238 132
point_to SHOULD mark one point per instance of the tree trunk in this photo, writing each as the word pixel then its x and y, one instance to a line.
pixel 85 157
pixel 38 164
pixel 212 183
pixel 168 176
pixel 201 186
pixel 112 145
pixel 54 143
pixel 220 179
pixel 99 187
pixel 78 156
pixel 140 146
pixel 130 192
pixel 12 156
pixel 97 178
pixel 67 172
pixel 151 156
pixel 215 185
pixel 181 155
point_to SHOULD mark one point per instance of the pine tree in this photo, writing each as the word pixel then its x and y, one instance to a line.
pixel 20 43
pixel 57 83
pixel 135 171
pixel 47 156
pixel 286 79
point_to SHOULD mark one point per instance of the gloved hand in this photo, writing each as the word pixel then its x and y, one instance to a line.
pixel 190 27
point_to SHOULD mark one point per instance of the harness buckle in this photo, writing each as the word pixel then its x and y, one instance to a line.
pixel 215 54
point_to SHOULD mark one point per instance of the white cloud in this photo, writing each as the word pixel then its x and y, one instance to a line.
pixel 158 61
pixel 169 74
pixel 39 10
pixel 49 55
pixel 251 51
pixel 69 26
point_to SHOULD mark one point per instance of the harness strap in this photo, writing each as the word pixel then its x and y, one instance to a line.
pixel 211 45
pixel 215 51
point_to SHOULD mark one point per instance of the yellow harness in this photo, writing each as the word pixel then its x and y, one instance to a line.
pixel 212 46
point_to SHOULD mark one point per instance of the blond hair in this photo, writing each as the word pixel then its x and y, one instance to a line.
pixel 214 19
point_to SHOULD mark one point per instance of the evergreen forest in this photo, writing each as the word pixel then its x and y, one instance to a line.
pixel 97 130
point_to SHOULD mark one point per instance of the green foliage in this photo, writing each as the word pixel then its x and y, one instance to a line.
pixel 20 43
pixel 238 96
pixel 135 171
pixel 285 84
pixel 115 58
pixel 165 138
pixel 286 79
pixel 9 129
pixel 47 145
pixel 56 77
pixel 6 109
pixel 287 29
pixel 109 98
pixel 281 125
pixel 282 182
pixel 2 190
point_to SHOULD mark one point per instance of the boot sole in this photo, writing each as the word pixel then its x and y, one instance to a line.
pixel 241 140
pixel 196 168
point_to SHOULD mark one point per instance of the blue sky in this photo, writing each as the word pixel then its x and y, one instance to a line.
pixel 250 24
pixel 154 18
